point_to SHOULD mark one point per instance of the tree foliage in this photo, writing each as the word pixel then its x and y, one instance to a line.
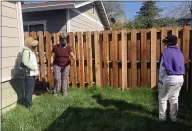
pixel 114 10
pixel 149 16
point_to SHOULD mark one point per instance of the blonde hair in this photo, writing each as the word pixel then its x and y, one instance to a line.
pixel 30 42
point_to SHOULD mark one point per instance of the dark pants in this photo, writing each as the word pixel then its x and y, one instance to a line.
pixel 29 88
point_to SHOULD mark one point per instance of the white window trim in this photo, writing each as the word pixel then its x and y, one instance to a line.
pixel 20 25
pixel 80 13
pixel 68 20
pixel 44 22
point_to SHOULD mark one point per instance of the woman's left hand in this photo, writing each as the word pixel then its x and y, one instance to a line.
pixel 74 57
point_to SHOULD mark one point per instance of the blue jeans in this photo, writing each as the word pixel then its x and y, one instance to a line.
pixel 29 88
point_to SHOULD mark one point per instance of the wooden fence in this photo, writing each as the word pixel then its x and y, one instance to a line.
pixel 119 58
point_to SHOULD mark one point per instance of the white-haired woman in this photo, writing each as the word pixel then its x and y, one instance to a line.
pixel 29 62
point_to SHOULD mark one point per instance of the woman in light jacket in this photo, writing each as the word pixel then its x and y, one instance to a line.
pixel 30 62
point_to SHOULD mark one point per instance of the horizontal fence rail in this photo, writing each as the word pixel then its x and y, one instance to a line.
pixel 116 58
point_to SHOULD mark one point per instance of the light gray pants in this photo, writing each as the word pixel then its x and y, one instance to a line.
pixel 168 92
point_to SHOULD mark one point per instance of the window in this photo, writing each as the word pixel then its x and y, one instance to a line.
pixel 35 26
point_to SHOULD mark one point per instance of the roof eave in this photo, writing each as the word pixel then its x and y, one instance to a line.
pixel 55 7
pixel 103 14
pixel 46 8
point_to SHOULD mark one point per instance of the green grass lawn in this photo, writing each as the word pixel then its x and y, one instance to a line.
pixel 95 109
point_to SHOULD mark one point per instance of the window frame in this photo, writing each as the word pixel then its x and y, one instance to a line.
pixel 43 22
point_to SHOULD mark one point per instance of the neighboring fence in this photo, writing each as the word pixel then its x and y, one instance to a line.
pixel 120 59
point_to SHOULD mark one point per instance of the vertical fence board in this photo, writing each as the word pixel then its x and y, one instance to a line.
pixel 180 37
pixel 89 59
pixel 81 60
pixel 119 44
pixel 124 58
pixel 148 60
pixel 111 59
pixel 129 59
pixel 73 62
pixel 190 64
pixel 48 55
pixel 106 59
pixel 153 58
pixel 139 59
pixel 115 59
pixel 144 58
pixel 186 39
pixel 175 31
pixel 97 59
pixel 85 56
pixel 41 56
pixel 163 35
pixel 55 36
pixel 133 60
pixel 34 35
pixel 158 47
pixel 26 34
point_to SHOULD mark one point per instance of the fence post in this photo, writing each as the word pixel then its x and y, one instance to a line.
pixel 124 58
pixel 153 58
pixel 73 62
pixel 97 59
pixel 133 59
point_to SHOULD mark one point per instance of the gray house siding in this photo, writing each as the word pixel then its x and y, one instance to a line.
pixel 55 20
pixel 86 20
pixel 91 11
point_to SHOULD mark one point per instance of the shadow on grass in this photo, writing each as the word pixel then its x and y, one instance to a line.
pixel 122 105
pixel 126 117
pixel 96 119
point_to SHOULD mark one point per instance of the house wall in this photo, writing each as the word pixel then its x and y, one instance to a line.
pixel 83 19
pixel 12 89
pixel 55 20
